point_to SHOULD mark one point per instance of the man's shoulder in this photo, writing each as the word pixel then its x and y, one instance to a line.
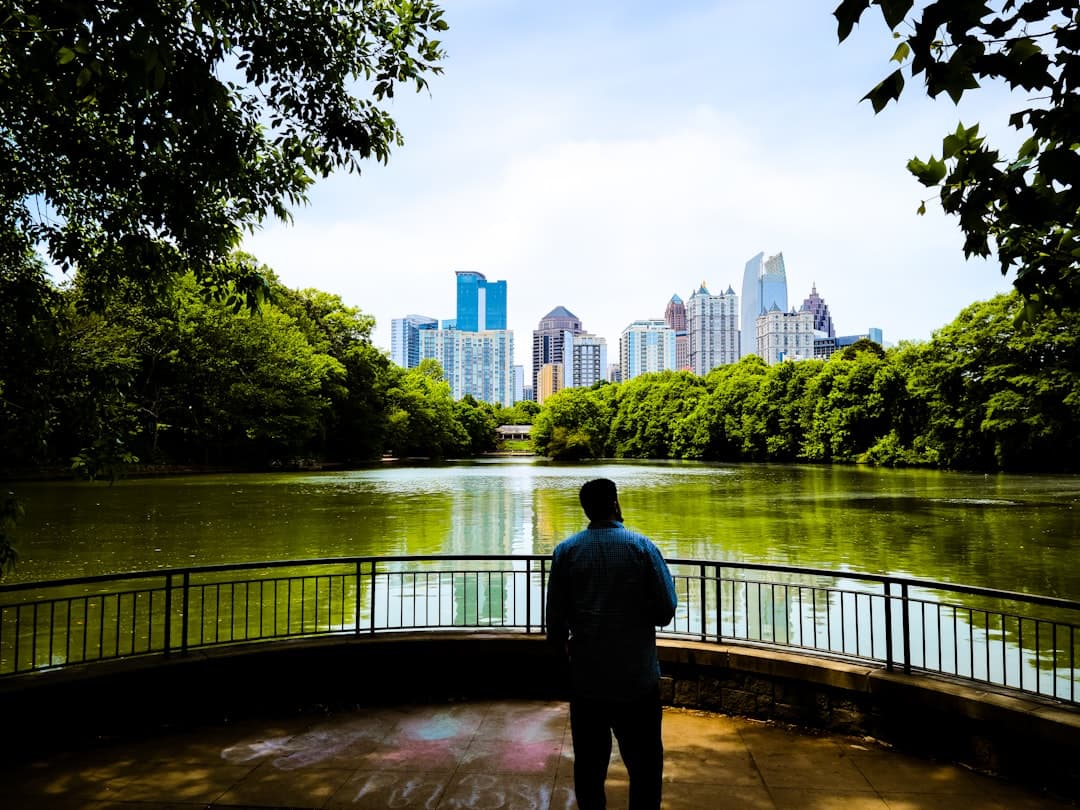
pixel 617 534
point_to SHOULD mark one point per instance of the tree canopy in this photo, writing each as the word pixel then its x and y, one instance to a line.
pixel 1023 206
pixel 139 140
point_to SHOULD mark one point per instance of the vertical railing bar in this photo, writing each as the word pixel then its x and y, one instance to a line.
pixel 116 635
pixel 52 628
pixel 134 619
pixel 1038 672
pixel 701 601
pixel 1020 645
pixel 528 595
pixel 828 620
pixel 288 603
pixel 167 642
pixel 101 625
pixel 843 623
pixel 543 594
pixel 922 623
pixel 359 583
pixel 971 646
pixel 907 627
pixel 202 613
pixel 184 607
pixel 940 652
pixel 888 626
pixel 1072 663
pixel 1004 659
pixel 67 634
pixel 858 647
pixel 956 642
pixel 371 621
pixel 720 634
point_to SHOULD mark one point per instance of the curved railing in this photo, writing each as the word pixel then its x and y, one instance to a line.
pixel 1016 641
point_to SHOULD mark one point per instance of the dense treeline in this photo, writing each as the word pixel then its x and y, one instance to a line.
pixel 190 378
pixel 988 391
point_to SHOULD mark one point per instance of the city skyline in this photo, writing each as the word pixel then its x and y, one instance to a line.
pixel 576 152
pixel 766 275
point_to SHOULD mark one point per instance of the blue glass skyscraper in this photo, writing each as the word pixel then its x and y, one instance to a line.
pixel 481 304
pixel 764 284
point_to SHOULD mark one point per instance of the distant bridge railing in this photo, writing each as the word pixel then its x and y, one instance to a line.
pixel 1016 641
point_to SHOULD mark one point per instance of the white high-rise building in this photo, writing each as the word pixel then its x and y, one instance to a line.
pixel 477 363
pixel 712 325
pixel 646 346
pixel 785 335
pixel 405 338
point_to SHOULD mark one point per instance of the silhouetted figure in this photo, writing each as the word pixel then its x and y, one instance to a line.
pixel 608 591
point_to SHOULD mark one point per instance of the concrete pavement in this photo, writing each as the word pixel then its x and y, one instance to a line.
pixel 488 754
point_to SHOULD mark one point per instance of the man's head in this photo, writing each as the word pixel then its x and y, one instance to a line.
pixel 600 500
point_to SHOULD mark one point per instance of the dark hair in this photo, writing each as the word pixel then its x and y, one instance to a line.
pixel 598 498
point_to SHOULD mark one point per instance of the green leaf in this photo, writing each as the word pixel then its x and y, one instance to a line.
pixel 887 90
pixel 1021 49
pixel 929 173
pixel 902 52
pixel 64 55
pixel 921 210
pixel 847 14
pixel 894 11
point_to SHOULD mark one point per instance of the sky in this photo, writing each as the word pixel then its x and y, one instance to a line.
pixel 603 156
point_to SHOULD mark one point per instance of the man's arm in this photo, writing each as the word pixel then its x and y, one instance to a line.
pixel 663 588
pixel 558 627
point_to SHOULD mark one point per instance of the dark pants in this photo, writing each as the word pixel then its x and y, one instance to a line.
pixel 636 725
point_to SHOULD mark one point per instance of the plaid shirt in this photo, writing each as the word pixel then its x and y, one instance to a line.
pixel 608 591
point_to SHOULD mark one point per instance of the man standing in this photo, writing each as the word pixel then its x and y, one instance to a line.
pixel 608 591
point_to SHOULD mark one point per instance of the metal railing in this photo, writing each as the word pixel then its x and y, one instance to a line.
pixel 1017 641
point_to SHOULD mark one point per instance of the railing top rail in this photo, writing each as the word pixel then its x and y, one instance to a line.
pixel 884 579
pixel 928 584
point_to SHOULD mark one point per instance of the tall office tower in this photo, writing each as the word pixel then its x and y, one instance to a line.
pixel 477 363
pixel 405 338
pixel 548 340
pixel 646 346
pixel 764 284
pixel 713 329
pixel 481 304
pixel 675 317
pixel 822 319
pixel 519 383
pixel 584 359
pixel 785 335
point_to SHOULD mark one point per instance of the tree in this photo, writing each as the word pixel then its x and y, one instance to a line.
pixel 1024 206
pixel 998 395
pixel 140 139
pixel 573 425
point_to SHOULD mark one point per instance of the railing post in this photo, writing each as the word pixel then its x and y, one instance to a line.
pixel 359 585
pixel 907 627
pixel 543 594
pixel 528 594
pixel 184 608
pixel 168 614
pixel 701 600
pixel 719 605
pixel 888 627
pixel 371 610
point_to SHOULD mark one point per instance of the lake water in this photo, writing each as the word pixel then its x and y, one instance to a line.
pixel 1001 531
